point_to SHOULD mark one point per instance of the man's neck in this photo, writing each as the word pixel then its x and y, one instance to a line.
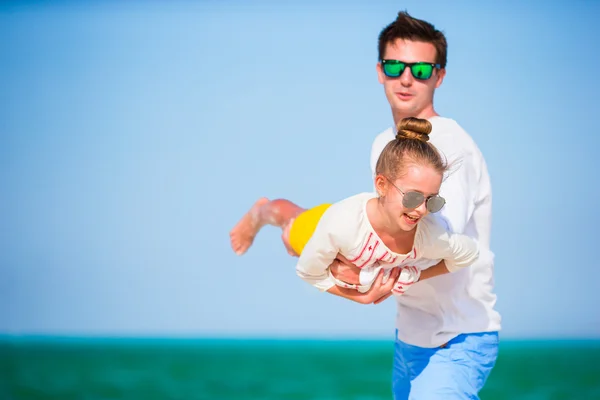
pixel 425 114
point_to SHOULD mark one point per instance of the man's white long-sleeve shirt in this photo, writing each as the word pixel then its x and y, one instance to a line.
pixel 438 309
pixel 345 228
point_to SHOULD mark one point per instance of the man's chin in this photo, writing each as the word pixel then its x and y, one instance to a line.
pixel 407 108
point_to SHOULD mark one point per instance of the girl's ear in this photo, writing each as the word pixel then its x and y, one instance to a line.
pixel 381 185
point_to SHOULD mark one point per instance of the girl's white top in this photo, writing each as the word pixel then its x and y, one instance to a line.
pixel 345 228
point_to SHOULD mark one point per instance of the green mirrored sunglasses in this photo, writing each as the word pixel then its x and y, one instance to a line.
pixel 420 70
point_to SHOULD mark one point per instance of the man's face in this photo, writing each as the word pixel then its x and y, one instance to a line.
pixel 408 96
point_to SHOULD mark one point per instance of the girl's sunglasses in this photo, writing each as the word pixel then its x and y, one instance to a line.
pixel 433 203
pixel 420 70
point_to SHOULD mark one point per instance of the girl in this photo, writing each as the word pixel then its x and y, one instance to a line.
pixel 394 227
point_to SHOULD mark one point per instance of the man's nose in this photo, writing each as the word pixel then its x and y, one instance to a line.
pixel 406 78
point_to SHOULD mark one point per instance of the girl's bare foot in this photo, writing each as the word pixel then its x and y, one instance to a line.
pixel 243 234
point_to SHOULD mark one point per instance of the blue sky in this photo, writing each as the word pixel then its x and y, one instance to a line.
pixel 134 135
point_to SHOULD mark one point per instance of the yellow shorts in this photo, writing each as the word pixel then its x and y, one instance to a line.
pixel 304 225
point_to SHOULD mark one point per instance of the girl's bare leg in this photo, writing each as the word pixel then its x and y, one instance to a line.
pixel 278 213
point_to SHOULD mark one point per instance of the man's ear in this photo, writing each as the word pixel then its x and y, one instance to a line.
pixel 380 74
pixel 441 73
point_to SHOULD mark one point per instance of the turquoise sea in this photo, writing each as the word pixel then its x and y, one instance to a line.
pixel 186 369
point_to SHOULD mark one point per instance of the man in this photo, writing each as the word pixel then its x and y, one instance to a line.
pixel 447 327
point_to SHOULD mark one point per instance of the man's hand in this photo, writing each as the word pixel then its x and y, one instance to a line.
pixel 344 270
pixel 347 272
pixel 377 293
pixel 380 291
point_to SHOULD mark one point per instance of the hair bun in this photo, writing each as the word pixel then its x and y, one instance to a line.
pixel 414 128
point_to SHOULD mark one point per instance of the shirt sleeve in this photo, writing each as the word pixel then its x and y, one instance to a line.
pixel 459 190
pixel 457 250
pixel 321 250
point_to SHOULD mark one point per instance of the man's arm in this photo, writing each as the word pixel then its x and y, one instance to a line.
pixel 378 292
pixel 350 273
pixel 431 272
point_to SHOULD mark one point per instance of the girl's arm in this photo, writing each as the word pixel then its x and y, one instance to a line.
pixel 334 233
pixel 456 251
pixel 322 248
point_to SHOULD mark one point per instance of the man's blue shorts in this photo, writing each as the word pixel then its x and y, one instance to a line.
pixel 457 370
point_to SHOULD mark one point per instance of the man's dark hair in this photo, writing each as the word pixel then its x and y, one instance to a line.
pixel 409 28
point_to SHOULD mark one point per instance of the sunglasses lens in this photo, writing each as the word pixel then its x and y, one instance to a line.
pixel 435 204
pixel 393 68
pixel 422 71
pixel 412 199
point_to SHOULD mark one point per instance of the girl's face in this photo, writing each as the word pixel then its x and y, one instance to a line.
pixel 422 179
